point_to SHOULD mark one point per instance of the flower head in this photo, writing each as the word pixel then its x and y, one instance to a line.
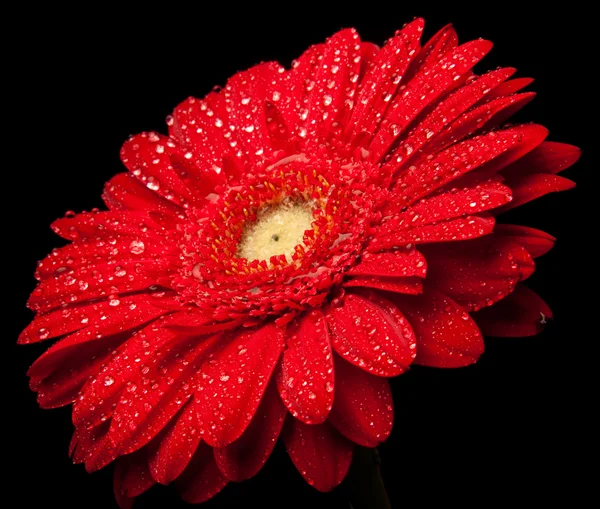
pixel 297 238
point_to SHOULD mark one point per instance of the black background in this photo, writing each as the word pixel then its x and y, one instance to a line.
pixel 503 430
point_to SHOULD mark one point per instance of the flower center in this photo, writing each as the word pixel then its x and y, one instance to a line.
pixel 278 229
pixel 278 243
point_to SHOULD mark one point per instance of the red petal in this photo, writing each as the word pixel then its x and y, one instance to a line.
pixel 479 272
pixel 333 82
pixel 535 241
pixel 147 156
pixel 509 88
pixel 175 450
pixel 77 257
pixel 409 285
pixel 293 102
pixel 278 131
pixel 59 374
pixel 451 108
pixel 90 225
pixel 464 157
pixel 464 228
pixel 531 187
pixel 234 380
pixel 526 137
pixel 131 478
pixel 319 452
pixel 103 390
pixel 207 182
pixel 305 378
pixel 245 95
pixel 102 456
pixel 122 501
pixel 522 313
pixel 202 479
pixel 370 332
pixel 200 325
pixel 368 51
pixel 125 192
pixel 422 91
pixel 500 110
pixel 69 374
pixel 363 410
pixel 243 458
pixel 440 44
pixel 549 157
pixel 163 386
pixel 401 263
pixel 56 323
pixel 478 197
pixel 197 124
pixel 481 118
pixel 64 321
pixel 384 77
pixel 136 311
pixel 447 337
pixel 83 440
pixel 92 447
pixel 101 280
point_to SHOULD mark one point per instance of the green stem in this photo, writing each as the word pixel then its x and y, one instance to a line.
pixel 364 480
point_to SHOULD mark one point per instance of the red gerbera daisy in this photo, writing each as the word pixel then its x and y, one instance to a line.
pixel 298 237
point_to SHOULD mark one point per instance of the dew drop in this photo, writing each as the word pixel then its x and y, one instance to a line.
pixel 152 184
pixel 137 247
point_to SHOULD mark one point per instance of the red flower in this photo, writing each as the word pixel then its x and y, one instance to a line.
pixel 299 234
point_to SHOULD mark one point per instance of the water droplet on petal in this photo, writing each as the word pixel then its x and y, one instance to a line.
pixel 137 247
